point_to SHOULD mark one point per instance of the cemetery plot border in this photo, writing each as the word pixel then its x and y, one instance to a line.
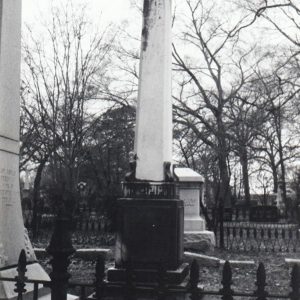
pixel 245 236
pixel 61 249
pixel 102 289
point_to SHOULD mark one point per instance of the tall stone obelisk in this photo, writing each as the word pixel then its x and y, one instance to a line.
pixel 153 136
pixel 11 221
pixel 12 233
pixel 150 216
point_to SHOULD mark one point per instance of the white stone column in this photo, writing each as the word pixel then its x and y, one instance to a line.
pixel 12 232
pixel 153 136
pixel 12 239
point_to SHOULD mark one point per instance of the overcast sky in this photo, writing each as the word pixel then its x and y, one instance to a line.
pixel 112 10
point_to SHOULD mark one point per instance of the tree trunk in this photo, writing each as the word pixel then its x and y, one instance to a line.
pixel 222 160
pixel 281 157
pixel 244 163
pixel 275 179
pixel 224 198
pixel 36 192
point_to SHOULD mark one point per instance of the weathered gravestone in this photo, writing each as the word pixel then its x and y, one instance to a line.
pixel 191 190
pixel 12 233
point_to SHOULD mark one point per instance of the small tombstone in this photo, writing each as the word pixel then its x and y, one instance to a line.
pixel 191 186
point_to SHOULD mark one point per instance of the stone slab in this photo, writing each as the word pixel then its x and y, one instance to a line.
pixel 211 261
pixel 203 260
pixel 239 263
pixel 199 241
pixel 69 297
pixel 188 175
pixel 149 275
pixel 85 254
pixel 292 261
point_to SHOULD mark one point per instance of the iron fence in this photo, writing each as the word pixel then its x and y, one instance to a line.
pixel 264 214
pixel 85 231
pixel 60 248
pixel 101 289
pixel 246 236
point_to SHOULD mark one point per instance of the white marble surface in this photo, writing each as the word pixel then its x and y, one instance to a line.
pixel 188 175
pixel 12 238
pixel 153 137
pixel 189 192
pixel 10 53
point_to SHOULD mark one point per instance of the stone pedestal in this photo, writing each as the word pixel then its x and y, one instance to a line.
pixel 149 233
pixel 190 187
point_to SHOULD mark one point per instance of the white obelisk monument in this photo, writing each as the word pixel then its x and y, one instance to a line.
pixel 150 216
pixel 153 136
pixel 12 232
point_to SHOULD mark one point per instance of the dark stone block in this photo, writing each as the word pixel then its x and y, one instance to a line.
pixel 149 232
pixel 173 277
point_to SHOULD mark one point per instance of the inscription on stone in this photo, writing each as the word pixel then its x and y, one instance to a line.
pixel 191 201
pixel 7 178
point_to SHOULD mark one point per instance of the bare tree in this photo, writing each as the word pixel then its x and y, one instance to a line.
pixel 65 68
pixel 214 75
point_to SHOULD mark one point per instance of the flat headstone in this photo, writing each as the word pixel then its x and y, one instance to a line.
pixel 86 254
pixel 203 260
pixel 292 261
pixel 239 263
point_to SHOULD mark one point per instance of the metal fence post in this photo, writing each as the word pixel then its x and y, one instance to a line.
pixel 194 280
pixel 226 291
pixel 295 283
pixel 261 283
pixel 100 273
pixel 21 278
pixel 60 248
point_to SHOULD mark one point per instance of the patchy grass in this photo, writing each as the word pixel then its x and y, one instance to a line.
pixel 244 277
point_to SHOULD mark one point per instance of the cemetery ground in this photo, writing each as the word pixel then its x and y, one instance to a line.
pixel 244 275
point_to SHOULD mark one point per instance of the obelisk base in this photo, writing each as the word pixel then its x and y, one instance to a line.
pixel 149 234
pixel 175 277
